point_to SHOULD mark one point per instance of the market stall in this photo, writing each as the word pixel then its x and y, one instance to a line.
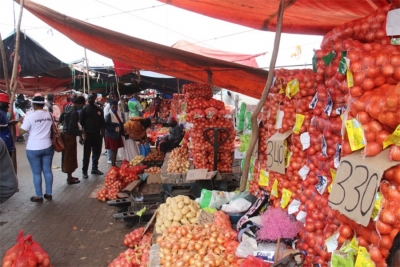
pixel 325 177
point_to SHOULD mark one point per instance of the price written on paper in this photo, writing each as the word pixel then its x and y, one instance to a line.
pixel 276 152
pixel 354 189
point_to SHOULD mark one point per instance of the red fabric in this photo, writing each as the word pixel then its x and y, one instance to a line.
pixel 113 144
pixel 244 59
pixel 151 56
pixel 44 85
pixel 314 17
pixel 122 69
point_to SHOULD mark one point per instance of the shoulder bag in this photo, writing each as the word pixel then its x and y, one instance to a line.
pixel 56 140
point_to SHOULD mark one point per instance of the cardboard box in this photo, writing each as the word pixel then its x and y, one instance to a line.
pixel 202 174
pixel 154 178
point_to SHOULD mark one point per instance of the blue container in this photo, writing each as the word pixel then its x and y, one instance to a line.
pixel 235 217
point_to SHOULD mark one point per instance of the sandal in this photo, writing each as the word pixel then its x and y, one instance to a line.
pixel 73 182
pixel 36 199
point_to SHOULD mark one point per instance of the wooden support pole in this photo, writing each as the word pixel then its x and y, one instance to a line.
pixel 254 123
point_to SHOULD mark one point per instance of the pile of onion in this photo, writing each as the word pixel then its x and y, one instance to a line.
pixel 197 245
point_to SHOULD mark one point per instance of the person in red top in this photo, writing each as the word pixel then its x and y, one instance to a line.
pixel 69 101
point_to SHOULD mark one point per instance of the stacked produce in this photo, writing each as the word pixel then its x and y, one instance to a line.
pixel 136 160
pixel 197 245
pixel 138 256
pixel 154 156
pixel 176 105
pixel 117 179
pixel 153 170
pixel 165 108
pixel 178 161
pixel 329 105
pixel 205 112
pixel 179 210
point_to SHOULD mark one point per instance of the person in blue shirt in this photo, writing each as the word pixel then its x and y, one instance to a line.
pixel 5 132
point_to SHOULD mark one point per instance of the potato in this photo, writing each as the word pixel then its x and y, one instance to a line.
pixel 179 198
pixel 158 223
pixel 181 204
pixel 158 229
pixel 163 228
pixel 173 202
pixel 175 223
pixel 185 221
pixel 167 223
pixel 174 205
pixel 186 200
pixel 178 217
pixel 168 201
pixel 163 206
pixel 190 215
pixel 185 210
pixel 193 208
pixel 193 220
pixel 170 215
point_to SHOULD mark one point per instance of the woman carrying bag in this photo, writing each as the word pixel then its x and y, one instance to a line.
pixel 114 131
pixel 39 149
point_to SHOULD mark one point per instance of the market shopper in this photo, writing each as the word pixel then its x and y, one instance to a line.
pixel 39 149
pixel 52 107
pixel 91 119
pixel 156 104
pixel 136 130
pixel 8 178
pixel 135 107
pixel 5 132
pixel 123 108
pixel 99 102
pixel 172 140
pixel 106 110
pixel 70 118
pixel 114 131
pixel 393 260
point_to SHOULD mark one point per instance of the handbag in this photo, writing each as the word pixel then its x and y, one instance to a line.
pixel 56 139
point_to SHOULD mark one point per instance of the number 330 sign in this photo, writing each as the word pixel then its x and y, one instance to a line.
pixel 356 183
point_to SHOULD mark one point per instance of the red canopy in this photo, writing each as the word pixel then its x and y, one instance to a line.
pixel 244 59
pixel 43 85
pixel 155 57
pixel 315 17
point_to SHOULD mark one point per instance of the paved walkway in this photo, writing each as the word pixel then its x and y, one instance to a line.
pixel 75 229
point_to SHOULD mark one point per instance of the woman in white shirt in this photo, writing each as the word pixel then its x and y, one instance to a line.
pixel 39 149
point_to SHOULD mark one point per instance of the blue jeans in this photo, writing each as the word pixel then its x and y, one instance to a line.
pixel 40 161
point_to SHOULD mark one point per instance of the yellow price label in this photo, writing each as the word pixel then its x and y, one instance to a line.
pixel 355 134
pixel 292 88
pixel 394 138
pixel 286 195
pixel 299 123
pixel 274 191
pixel 264 178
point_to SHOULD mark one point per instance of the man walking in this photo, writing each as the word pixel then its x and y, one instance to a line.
pixel 92 121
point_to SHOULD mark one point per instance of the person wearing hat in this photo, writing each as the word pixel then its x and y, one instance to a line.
pixel 39 149
pixel 70 118
pixel 5 132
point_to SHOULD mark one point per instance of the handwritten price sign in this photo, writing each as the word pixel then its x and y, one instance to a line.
pixel 356 183
pixel 276 152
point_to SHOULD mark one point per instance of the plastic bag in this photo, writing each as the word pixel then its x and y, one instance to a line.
pixel 214 199
pixel 25 253
pixel 252 261
pixel 144 149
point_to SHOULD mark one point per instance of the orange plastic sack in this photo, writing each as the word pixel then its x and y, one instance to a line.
pixel 26 253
